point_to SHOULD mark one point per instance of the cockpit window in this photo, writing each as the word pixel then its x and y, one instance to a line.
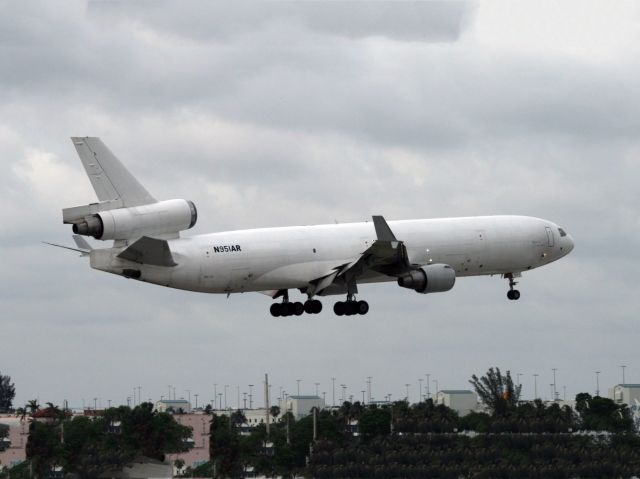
pixel 562 232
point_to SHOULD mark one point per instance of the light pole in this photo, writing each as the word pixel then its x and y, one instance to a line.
pixel 317 393
pixel 250 396
pixel 420 395
pixel 369 378
pixel 245 400
pixel 535 386
pixel 555 392
pixel 363 391
pixel 344 392
pixel 597 383
pixel 196 400
pixel 226 386
pixel 623 368
pixel 215 395
pixel 333 383
pixel 188 391
pixel 220 400
pixel 428 387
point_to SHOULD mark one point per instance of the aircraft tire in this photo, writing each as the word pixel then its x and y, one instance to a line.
pixel 339 308
pixel 298 308
pixel 351 308
pixel 317 306
pixel 515 294
pixel 362 307
pixel 275 310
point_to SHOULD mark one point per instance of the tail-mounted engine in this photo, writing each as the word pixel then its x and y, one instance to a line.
pixel 161 218
pixel 433 278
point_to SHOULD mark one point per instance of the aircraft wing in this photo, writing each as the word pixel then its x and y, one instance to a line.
pixel 386 255
pixel 151 251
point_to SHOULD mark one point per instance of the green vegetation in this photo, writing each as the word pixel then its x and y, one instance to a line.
pixel 7 393
pixel 89 446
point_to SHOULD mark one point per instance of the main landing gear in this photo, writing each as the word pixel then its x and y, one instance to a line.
pixel 286 308
pixel 350 307
pixel 512 294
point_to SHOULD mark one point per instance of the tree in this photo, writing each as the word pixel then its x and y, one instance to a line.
pixel 603 414
pixel 224 447
pixel 274 411
pixel 7 392
pixel 496 390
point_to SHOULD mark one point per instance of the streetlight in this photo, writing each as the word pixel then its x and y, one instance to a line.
pixel 428 388
pixel 420 396
pixel 333 382
pixel 555 392
pixel 344 392
pixel 196 400
pixel 597 383
pixel 226 386
pixel 369 378
pixel 363 391
pixel 245 400
pixel 250 396
pixel 220 400
pixel 215 395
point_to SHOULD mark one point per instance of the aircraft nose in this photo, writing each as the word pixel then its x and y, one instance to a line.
pixel 570 244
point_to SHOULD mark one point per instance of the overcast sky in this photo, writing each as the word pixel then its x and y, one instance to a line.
pixel 284 113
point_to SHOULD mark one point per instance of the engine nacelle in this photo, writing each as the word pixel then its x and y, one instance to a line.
pixel 163 217
pixel 433 278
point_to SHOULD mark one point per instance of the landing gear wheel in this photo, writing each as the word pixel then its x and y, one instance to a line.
pixel 516 294
pixel 352 308
pixel 340 308
pixel 362 307
pixel 298 308
pixel 275 310
pixel 312 306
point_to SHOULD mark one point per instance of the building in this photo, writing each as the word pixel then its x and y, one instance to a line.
pixel 628 394
pixel 198 452
pixel 462 401
pixel 14 447
pixel 173 405
pixel 301 406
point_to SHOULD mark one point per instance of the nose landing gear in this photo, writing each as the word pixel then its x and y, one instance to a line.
pixel 512 294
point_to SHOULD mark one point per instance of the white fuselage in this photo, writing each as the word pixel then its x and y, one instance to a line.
pixel 289 258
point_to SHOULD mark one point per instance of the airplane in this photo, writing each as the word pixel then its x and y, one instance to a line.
pixel 423 255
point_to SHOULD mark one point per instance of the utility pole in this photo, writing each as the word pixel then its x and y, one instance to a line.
pixel 267 404
pixel 597 383
pixel 535 386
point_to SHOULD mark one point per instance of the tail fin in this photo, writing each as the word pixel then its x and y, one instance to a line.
pixel 110 179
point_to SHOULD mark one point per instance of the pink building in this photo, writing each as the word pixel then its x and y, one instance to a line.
pixel 199 453
pixel 18 434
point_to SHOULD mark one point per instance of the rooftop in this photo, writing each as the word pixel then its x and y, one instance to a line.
pixel 456 391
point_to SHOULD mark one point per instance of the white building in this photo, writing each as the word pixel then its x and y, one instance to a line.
pixel 301 406
pixel 462 401
pixel 628 394
pixel 175 405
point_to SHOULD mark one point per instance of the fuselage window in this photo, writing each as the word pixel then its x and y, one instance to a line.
pixel 562 232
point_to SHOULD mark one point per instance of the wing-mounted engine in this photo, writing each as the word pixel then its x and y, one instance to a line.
pixel 433 278
pixel 163 218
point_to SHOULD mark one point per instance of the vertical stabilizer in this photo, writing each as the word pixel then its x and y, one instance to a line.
pixel 110 179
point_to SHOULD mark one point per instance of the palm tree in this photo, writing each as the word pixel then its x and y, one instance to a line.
pixel 33 406
pixel 21 412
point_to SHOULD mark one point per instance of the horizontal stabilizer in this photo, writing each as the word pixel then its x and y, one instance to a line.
pixel 151 251
pixel 82 251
